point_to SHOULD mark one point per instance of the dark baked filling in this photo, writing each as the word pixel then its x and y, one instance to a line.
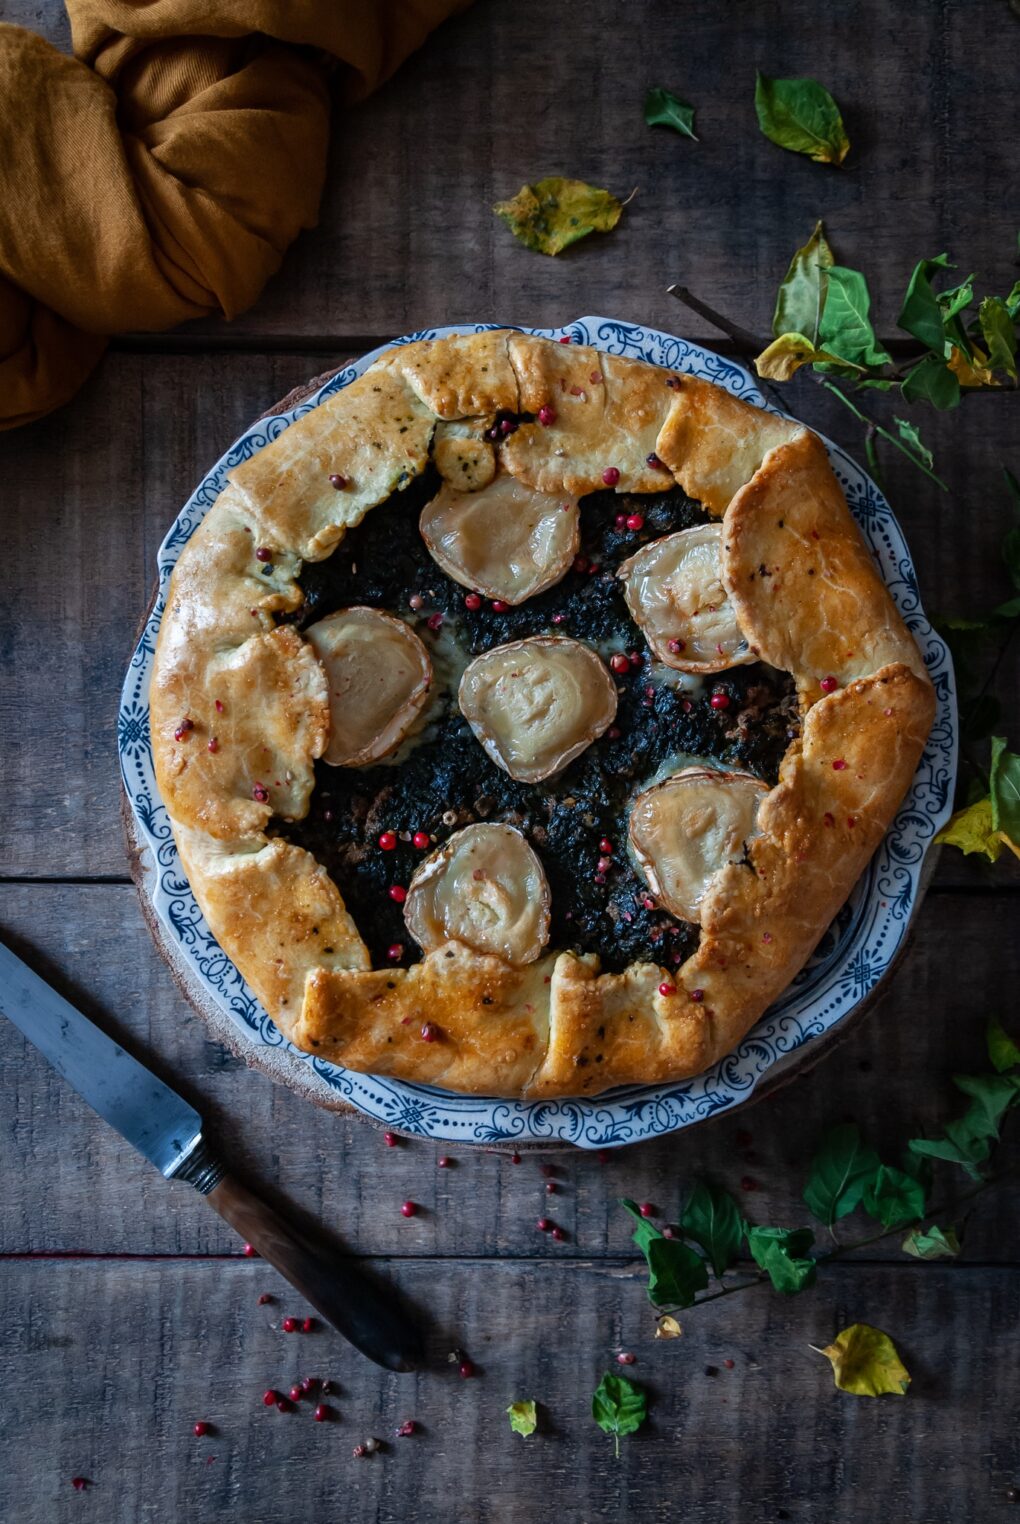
pixel 447 781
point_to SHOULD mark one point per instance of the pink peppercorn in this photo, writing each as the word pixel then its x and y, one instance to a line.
pixel 557 1235
pixel 213 745
pixel 646 1209
pixel 338 480
pixel 421 840
pixel 388 841
pixel 625 1358
pixel 434 621
pixel 289 1325
pixel 390 1139
pixel 719 701
pixel 666 989
pixel 263 553
pixel 395 952
pixel 619 663
pixel 472 601
pixel 839 765
pixel 498 606
pixel 409 1209
pixel 260 793
pixel 429 1032
pixel 635 521
pixel 828 685
pixel 697 996
pixel 547 416
pixel 397 893
pixel 610 476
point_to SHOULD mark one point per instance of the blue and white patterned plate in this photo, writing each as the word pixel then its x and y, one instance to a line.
pixel 854 953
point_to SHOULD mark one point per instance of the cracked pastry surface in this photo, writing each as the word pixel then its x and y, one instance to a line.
pixel 244 709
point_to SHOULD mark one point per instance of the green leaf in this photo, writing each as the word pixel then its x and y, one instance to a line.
pixel 932 381
pixel 664 110
pixel 1013 300
pixel 972 830
pixel 921 314
pixel 864 1362
pixel 675 1273
pixel 1002 1050
pixel 801 297
pixel 781 1254
pixel 644 1231
pixel 785 355
pixel 908 432
pixel 931 1243
pixel 999 334
pixel 845 329
pixel 618 1406
pixel 959 1146
pixel 554 213
pixel 840 1169
pixel 801 115
pixel 711 1218
pixel 894 1197
pixel 1004 786
pixel 523 1418
pixel 991 1095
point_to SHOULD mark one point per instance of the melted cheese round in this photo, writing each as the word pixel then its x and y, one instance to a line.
pixel 378 673
pixel 506 541
pixel 674 591
pixel 486 888
pixel 683 829
pixel 536 704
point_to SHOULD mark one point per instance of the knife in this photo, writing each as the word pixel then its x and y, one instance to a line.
pixel 168 1132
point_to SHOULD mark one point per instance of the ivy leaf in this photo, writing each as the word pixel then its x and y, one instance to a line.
pixel 845 328
pixel 932 381
pixel 931 1243
pixel 781 1254
pixel 711 1218
pixel 921 314
pixel 785 355
pixel 908 432
pixel 675 1273
pixel 864 1361
pixel 801 297
pixel 991 1095
pixel 999 334
pixel 970 366
pixel 523 1418
pixel 1002 1050
pixel 618 1406
pixel 960 1145
pixel 554 213
pixel 1013 300
pixel 894 1197
pixel 840 1170
pixel 801 115
pixel 664 110
pixel 1004 787
pixel 972 831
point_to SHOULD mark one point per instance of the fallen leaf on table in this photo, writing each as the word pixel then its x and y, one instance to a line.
pixel 668 1328
pixel 523 1418
pixel 554 213
pixel 664 110
pixel 801 115
pixel 865 1363
pixel 618 1406
pixel 932 1243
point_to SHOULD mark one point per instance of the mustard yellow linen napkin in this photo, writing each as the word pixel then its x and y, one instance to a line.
pixel 161 173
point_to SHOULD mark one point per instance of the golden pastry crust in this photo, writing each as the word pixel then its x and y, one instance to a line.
pixel 459 1019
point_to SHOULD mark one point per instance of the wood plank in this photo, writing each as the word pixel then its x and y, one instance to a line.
pixel 407 237
pixel 76 591
pixel 130 1355
pixel 67 1183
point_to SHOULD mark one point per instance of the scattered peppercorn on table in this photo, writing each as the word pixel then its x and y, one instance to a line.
pixel 158 1372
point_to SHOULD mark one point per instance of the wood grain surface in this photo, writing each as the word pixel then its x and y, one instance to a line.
pixel 128 1310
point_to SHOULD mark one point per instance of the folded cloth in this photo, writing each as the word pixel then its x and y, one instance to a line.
pixel 161 173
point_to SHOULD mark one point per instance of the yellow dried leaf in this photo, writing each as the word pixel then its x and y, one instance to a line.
pixel 668 1328
pixel 554 213
pixel 970 373
pixel 972 831
pixel 865 1363
pixel 785 356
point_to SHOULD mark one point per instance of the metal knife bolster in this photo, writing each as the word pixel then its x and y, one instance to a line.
pixel 198 1167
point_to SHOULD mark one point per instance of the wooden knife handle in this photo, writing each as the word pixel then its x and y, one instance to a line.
pixel 359 1309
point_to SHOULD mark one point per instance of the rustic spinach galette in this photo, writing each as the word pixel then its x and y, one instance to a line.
pixel 525 714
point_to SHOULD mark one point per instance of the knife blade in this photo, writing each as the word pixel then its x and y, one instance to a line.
pixel 168 1132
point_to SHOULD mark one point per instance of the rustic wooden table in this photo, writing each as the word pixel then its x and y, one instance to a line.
pixel 129 1311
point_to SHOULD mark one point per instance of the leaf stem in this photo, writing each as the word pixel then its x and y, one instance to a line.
pixel 873 423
